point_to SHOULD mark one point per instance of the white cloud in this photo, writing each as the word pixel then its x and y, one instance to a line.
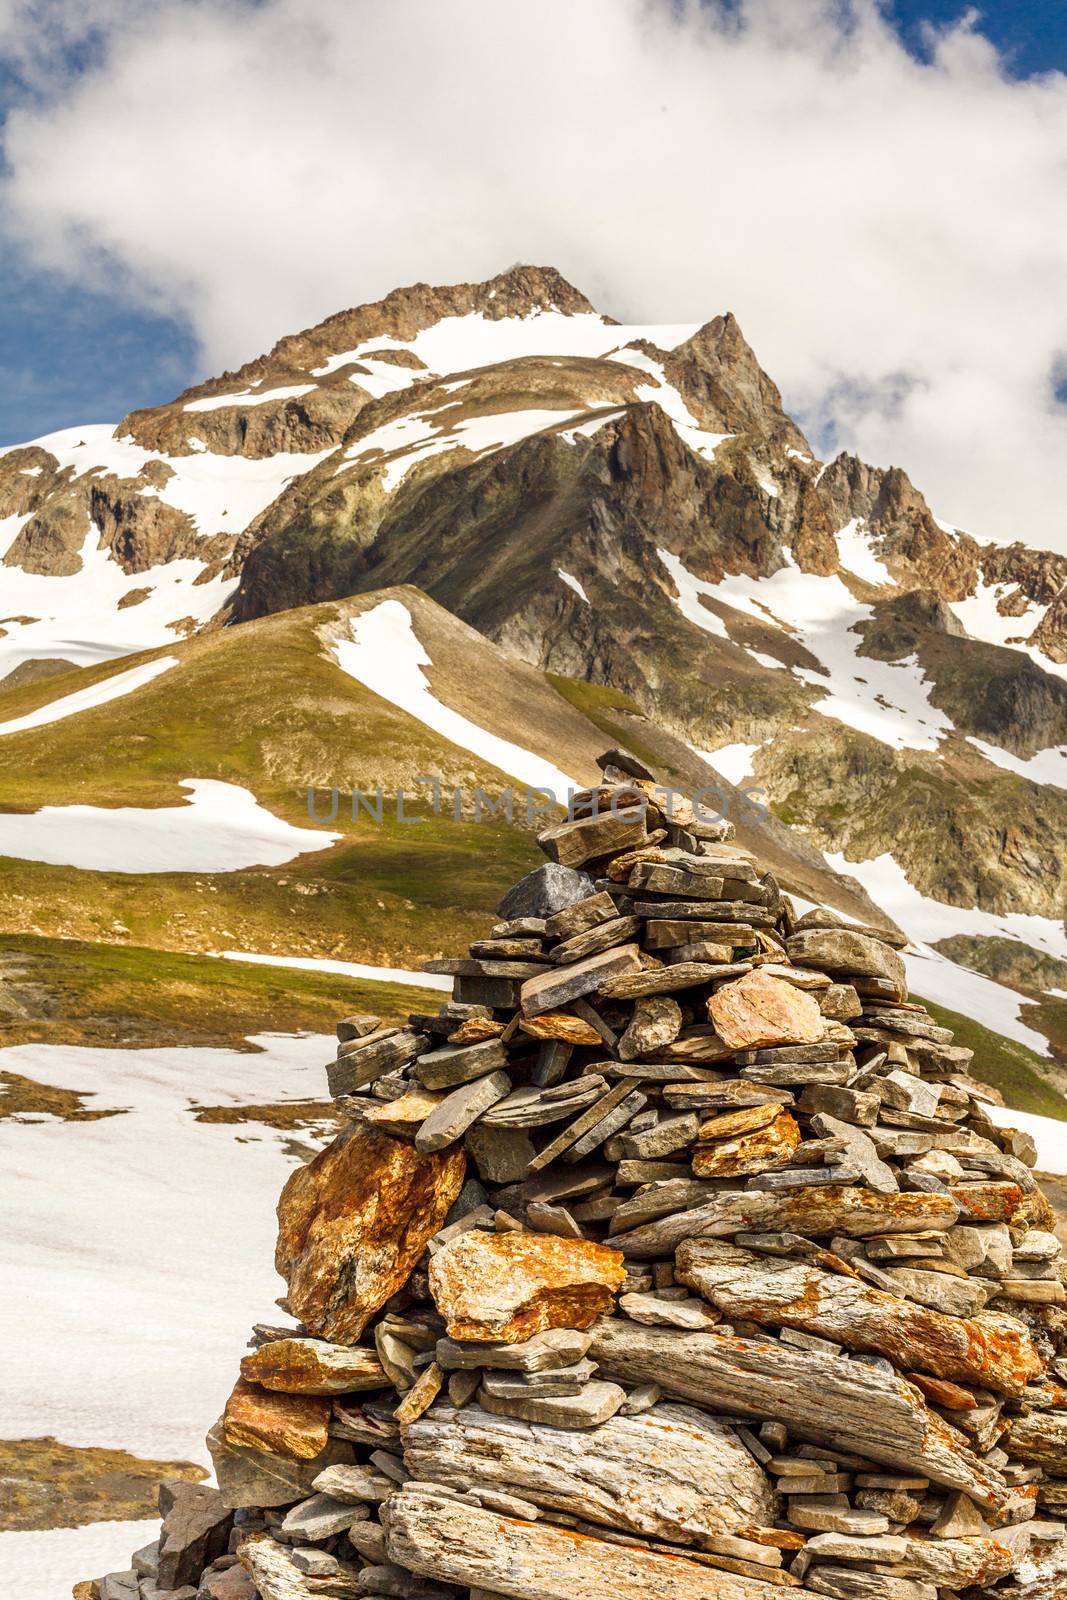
pixel 890 234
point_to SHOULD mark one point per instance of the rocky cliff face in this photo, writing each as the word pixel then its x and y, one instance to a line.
pixel 631 507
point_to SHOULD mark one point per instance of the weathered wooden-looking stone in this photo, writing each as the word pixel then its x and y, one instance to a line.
pixel 846 1405
pixel 794 1294
pixel 856 1213
pixel 1040 1437
pixel 312 1366
pixel 572 844
pixel 758 1011
pixel 257 1477
pixel 843 953
pixel 284 1424
pixel 509 1286
pixel 353 1223
pixel 277 1576
pixel 670 1473
pixel 558 986
pixel 455 1542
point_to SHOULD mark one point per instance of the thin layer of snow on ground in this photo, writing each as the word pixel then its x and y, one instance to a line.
pixel 220 828
pixel 856 555
pixel 456 344
pixel 137 1249
pixel 346 969
pixel 78 618
pixel 46 1566
pixel 99 694
pixel 572 583
pixel 1048 1133
pixel 799 455
pixel 1047 766
pixel 387 657
pixel 410 439
pixel 768 661
pixel 887 699
pixel 221 402
pixel 732 761
pixel 930 920
pixel 765 481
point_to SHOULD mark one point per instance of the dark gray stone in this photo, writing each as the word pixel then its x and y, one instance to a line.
pixel 545 891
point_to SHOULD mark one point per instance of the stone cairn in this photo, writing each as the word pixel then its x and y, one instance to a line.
pixel 676 1257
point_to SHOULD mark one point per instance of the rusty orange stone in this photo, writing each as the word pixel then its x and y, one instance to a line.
pixel 353 1223
pixel 292 1425
pixel 508 1286
pixel 759 1011
pixel 310 1366
pixel 942 1392
pixel 762 1150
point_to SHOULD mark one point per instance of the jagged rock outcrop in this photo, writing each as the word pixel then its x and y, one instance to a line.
pixel 627 1342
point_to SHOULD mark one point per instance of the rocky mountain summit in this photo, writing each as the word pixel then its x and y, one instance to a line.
pixel 626 506
pixel 678 1254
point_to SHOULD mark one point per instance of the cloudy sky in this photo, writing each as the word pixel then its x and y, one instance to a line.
pixel 877 191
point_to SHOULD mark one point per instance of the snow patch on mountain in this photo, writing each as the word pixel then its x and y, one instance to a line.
pixel 386 655
pixel 856 554
pixel 930 920
pixel 428 433
pixel 458 344
pixel 732 761
pixel 345 969
pixel 219 402
pixel 1046 766
pixel 980 616
pixel 99 694
pixel 80 619
pixel 887 699
pixel 572 583
pixel 221 828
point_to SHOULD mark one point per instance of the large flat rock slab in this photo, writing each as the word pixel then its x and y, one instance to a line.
pixel 670 1473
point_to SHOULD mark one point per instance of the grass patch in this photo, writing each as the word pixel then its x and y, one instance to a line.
pixel 1004 1064
pixel 53 1485
pixel 22 1098
pixel 597 703
pixel 67 992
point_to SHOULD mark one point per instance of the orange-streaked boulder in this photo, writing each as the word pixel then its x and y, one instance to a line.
pixel 312 1366
pixel 762 1150
pixel 353 1223
pixel 291 1425
pixel 508 1286
pixel 758 1012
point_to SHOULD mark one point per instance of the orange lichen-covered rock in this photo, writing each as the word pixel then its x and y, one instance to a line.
pixel 759 1011
pixel 292 1425
pixel 353 1223
pixel 508 1286
pixel 995 1352
pixel 311 1366
pixel 762 1150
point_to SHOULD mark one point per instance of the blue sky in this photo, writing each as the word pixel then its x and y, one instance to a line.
pixel 912 327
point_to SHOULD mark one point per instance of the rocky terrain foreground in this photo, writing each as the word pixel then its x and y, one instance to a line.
pixel 676 1255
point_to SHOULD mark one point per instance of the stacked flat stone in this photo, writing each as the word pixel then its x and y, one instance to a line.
pixel 676 1255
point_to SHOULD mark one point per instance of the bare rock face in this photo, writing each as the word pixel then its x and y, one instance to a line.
pixel 509 1286
pixel 353 1223
pixel 759 1011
